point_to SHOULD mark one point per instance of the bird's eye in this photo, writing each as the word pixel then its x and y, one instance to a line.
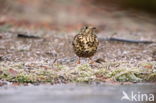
pixel 86 27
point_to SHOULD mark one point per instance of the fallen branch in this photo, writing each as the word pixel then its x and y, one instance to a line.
pixel 27 36
pixel 126 40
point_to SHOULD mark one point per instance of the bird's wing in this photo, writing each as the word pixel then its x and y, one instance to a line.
pixel 96 40
pixel 77 39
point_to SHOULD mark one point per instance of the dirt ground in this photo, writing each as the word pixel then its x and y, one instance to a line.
pixel 55 24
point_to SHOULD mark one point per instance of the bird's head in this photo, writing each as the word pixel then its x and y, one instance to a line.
pixel 88 30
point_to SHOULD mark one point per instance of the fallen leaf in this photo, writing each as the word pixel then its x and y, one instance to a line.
pixel 12 71
pixel 148 66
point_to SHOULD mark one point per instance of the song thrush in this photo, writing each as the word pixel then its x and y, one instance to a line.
pixel 85 43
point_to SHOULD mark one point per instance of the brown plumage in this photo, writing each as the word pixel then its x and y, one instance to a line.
pixel 85 43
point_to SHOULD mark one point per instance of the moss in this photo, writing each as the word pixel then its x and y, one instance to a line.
pixel 102 71
pixel 81 73
pixel 22 79
pixel 60 67
pixel 25 76
pixel 124 75
pixel 152 77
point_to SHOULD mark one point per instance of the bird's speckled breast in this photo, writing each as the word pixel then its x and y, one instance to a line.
pixel 85 45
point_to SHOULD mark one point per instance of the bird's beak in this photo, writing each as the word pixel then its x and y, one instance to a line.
pixel 94 30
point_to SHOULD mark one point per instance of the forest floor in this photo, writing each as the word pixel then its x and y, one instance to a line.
pixel 46 54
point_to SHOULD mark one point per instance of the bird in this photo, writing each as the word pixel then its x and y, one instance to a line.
pixel 85 43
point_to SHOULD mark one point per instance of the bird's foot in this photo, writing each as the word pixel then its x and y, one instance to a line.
pixel 91 61
pixel 78 62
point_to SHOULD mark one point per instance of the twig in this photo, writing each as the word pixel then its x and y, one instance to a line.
pixel 127 40
pixel 27 36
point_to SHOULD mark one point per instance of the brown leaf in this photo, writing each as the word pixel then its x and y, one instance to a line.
pixel 12 71
pixel 148 66
pixel 15 84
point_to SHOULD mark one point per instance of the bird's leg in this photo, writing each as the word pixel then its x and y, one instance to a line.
pixel 91 61
pixel 78 62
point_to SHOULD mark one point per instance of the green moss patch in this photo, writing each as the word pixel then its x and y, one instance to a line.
pixel 35 73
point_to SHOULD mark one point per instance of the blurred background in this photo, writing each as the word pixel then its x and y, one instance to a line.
pixel 68 15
